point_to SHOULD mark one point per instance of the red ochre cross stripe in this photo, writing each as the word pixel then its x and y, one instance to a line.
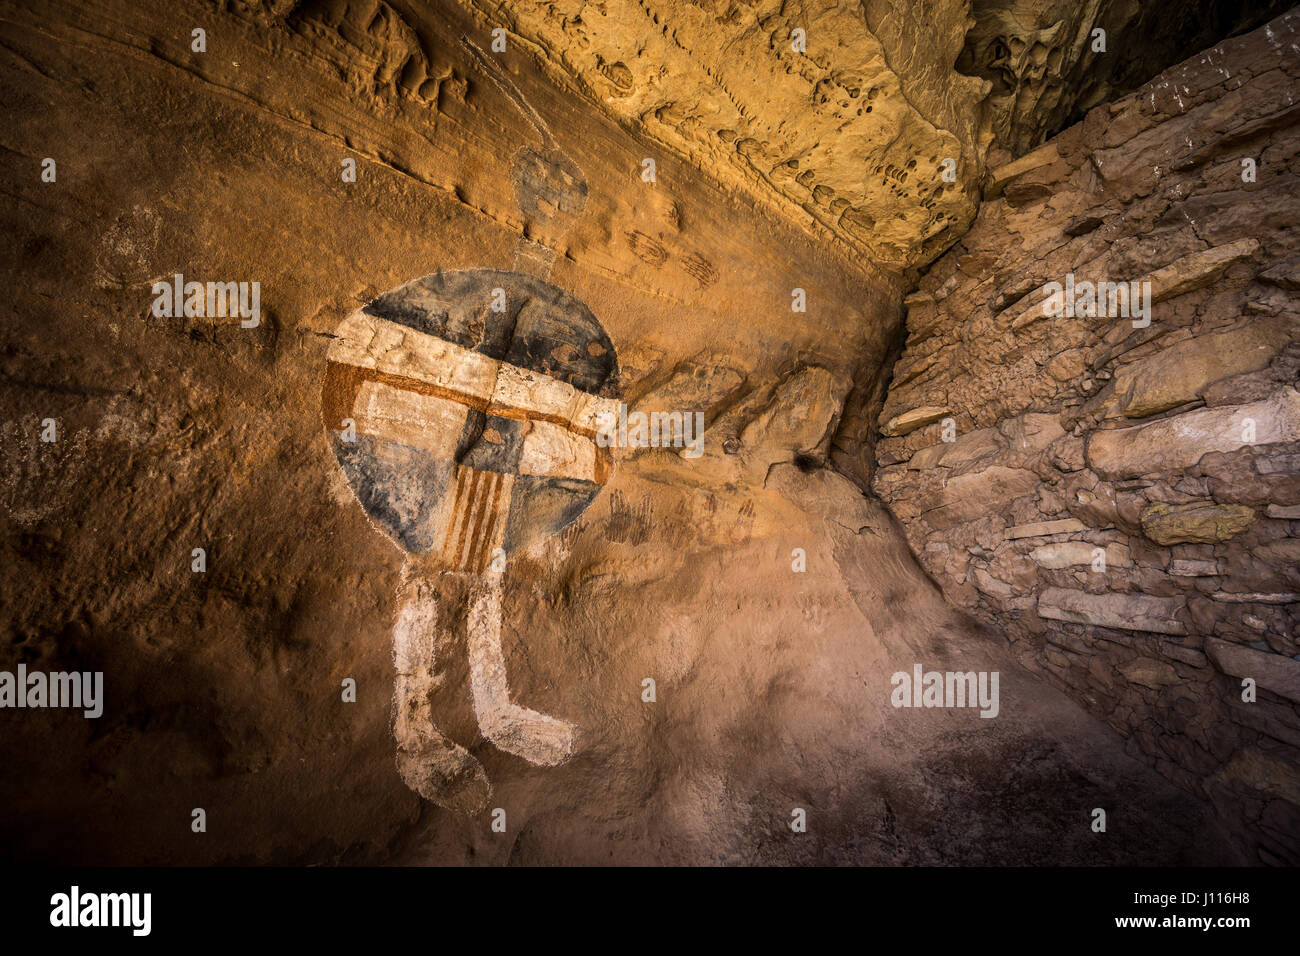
pixel 477 522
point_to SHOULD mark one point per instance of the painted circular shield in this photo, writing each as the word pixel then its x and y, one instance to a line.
pixel 463 408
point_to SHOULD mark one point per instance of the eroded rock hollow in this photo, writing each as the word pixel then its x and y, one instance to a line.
pixel 651 432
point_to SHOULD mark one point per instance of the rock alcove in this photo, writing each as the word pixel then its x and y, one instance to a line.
pixel 837 257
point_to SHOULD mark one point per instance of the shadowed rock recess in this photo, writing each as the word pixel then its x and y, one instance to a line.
pixel 377 570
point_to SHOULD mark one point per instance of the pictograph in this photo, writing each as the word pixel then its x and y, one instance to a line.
pixel 467 433
pixel 463 407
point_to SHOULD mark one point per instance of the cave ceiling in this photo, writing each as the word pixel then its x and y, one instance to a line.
pixel 878 122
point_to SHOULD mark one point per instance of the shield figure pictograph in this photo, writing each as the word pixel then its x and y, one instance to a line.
pixel 463 408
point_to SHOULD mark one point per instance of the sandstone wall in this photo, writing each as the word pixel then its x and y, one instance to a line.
pixel 176 433
pixel 1172 451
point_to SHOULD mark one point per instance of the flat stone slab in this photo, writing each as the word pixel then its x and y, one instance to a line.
pixel 1001 175
pixel 907 422
pixel 1198 269
pixel 1180 372
pixel 983 443
pixel 967 497
pixel 1177 443
pixel 1149 672
pixel 1285 512
pixel 1040 528
pixel 1071 554
pixel 1125 612
pixel 1273 672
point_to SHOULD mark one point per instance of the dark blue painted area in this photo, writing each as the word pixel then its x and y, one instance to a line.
pixel 565 344
pixel 487 455
pixel 548 185
pixel 541 506
pixel 475 422
pixel 455 306
pixel 400 487
pixel 543 328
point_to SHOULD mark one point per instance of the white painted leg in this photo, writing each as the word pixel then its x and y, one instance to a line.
pixel 431 764
pixel 537 738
